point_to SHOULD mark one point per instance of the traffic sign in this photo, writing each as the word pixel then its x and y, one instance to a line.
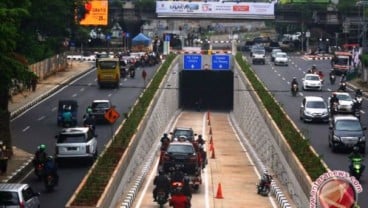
pixel 192 62
pixel 220 62
pixel 112 115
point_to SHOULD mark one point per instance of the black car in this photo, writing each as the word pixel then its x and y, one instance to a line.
pixel 346 132
pixel 99 108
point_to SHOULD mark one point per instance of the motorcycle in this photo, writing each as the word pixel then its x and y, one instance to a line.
pixel 264 186
pixel 39 170
pixel 161 198
pixel 50 182
pixel 334 109
pixel 357 104
pixel 356 168
pixel 332 79
pixel 131 73
pixel 342 87
pixel 294 90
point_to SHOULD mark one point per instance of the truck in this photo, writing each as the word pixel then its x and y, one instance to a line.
pixel 341 62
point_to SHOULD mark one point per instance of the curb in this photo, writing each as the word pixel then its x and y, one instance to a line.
pixel 317 57
pixel 46 94
pixel 20 172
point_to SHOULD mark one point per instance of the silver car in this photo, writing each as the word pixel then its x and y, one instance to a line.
pixel 312 82
pixel 78 142
pixel 313 108
pixel 17 195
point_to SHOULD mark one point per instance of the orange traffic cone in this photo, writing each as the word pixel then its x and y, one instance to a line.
pixel 211 147
pixel 219 192
pixel 211 141
pixel 210 131
pixel 208 115
pixel 213 153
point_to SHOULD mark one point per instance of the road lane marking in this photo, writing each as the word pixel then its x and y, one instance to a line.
pixel 89 84
pixel 25 129
pixel 54 109
pixel 74 95
pixel 109 95
pixel 40 118
pixel 81 89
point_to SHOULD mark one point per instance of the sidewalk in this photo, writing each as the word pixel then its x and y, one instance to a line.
pixel 21 160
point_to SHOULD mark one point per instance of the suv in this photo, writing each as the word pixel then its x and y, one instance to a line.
pixel 313 108
pixel 99 108
pixel 186 132
pixel 258 56
pixel 16 195
pixel 181 154
pixel 346 132
pixel 78 142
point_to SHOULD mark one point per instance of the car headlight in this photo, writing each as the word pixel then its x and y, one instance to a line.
pixel 362 139
pixel 336 138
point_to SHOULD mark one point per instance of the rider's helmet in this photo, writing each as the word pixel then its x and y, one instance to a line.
pixel 334 94
pixel 160 171
pixel 89 109
pixel 165 134
pixel 49 158
pixel 42 147
pixel 355 149
pixel 314 66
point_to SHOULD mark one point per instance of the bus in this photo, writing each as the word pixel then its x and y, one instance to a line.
pixel 108 72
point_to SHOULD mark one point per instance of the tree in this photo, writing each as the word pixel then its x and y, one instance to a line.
pixel 12 65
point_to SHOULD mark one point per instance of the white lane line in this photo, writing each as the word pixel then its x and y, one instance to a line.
pixel 150 178
pixel 74 95
pixel 41 118
pixel 89 84
pixel 109 95
pixel 25 129
pixel 81 89
pixel 283 78
pixel 206 183
pixel 279 75
pixel 54 109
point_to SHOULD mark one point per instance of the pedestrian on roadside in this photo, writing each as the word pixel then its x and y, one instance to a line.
pixel 34 80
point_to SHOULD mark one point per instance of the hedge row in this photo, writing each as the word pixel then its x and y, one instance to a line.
pixel 299 145
pixel 106 164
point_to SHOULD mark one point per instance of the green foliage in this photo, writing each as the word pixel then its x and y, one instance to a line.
pixel 299 145
pixel 106 164
pixel 145 5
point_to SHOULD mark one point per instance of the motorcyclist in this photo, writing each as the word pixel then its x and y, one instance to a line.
pixel 342 86
pixel 179 200
pixel 266 178
pixel 187 191
pixel 294 82
pixel 161 182
pixel 358 93
pixel 165 141
pixel 334 99
pixel 51 168
pixel 40 155
pixel 355 157
pixel 67 114
pixel 332 76
pixel 321 76
pixel 313 70
pixel 200 140
pixel 132 71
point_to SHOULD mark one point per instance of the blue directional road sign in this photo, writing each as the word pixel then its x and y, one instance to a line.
pixel 220 62
pixel 192 62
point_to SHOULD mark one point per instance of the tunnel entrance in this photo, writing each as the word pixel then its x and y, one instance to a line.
pixel 211 89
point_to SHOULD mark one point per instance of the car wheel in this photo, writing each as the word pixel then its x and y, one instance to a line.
pixel 333 148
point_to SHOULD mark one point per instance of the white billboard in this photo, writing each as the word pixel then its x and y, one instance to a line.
pixel 218 10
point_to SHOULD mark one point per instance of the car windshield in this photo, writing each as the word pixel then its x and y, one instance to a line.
pixel 107 64
pixel 71 138
pixel 183 149
pixel 348 125
pixel 281 55
pixel 259 52
pixel 8 198
pixel 316 104
pixel 185 133
pixel 313 78
pixel 100 105
pixel 345 97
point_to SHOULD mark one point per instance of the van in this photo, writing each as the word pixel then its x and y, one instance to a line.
pixel 14 195
pixel 108 72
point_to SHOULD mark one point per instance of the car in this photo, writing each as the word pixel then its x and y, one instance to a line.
pixel 259 56
pixel 186 132
pixel 76 142
pixel 345 132
pixel 183 155
pixel 345 104
pixel 281 59
pixel 99 108
pixel 256 47
pixel 312 82
pixel 313 108
pixel 18 195
pixel 273 53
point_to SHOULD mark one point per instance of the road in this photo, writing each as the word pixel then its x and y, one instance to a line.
pixel 38 126
pixel 229 166
pixel 277 80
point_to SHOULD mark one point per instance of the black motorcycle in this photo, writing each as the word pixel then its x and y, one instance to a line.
pixel 264 186
pixel 39 169
pixel 342 86
pixel 161 198
pixel 332 79
pixel 294 90
pixel 50 182
pixel 356 169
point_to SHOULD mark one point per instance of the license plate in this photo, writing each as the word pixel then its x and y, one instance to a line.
pixel 72 148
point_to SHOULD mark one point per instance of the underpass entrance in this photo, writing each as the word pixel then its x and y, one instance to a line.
pixel 206 81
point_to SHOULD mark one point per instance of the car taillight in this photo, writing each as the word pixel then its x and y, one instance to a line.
pixel 21 204
pixel 87 149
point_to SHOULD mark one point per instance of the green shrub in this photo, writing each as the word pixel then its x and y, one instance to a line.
pixel 300 146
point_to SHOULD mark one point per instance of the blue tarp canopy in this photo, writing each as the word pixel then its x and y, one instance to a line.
pixel 141 39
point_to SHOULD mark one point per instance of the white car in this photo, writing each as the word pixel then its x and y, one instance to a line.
pixel 77 142
pixel 313 108
pixel 312 82
pixel 273 53
pixel 345 102
pixel 281 59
